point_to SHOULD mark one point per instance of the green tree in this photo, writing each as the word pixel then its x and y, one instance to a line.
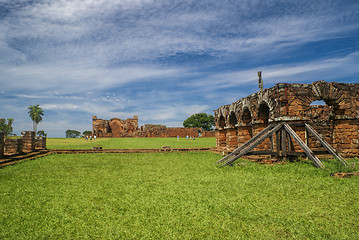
pixel 35 113
pixel 87 133
pixel 72 133
pixel 6 126
pixel 201 120
pixel 41 133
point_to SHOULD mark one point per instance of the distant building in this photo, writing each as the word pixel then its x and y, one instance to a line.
pixel 118 128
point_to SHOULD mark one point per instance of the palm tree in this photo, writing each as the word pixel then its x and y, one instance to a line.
pixel 35 114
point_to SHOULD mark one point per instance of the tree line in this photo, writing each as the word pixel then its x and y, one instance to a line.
pixel 35 113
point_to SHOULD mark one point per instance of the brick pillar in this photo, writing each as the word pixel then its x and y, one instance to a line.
pixel 265 145
pixel 40 143
pixel 28 141
pixel 346 137
pixel 231 138
pixel 244 134
pixel 221 139
pixel 2 144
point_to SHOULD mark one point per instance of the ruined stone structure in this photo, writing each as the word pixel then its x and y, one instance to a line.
pixel 26 144
pixel 28 141
pixel 116 127
pixel 337 121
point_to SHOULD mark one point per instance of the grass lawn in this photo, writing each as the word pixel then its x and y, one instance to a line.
pixel 174 196
pixel 128 143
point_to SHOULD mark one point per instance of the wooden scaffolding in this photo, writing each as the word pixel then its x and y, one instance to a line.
pixel 284 144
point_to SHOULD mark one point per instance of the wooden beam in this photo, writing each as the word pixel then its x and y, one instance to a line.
pixel 277 143
pixel 253 144
pixel 284 142
pixel 263 152
pixel 325 144
pixel 237 151
pixel 305 148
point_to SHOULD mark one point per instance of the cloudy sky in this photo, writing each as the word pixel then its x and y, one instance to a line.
pixel 163 60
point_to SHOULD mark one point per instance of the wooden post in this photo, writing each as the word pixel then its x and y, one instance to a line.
pixel 290 143
pixel 325 144
pixel 277 140
pixel 284 143
pixel 305 148
pixel 306 137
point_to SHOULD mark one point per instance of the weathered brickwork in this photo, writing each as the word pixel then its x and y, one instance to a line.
pixel 40 143
pixel 13 146
pixel 28 141
pixel 129 128
pixel 115 127
pixel 337 121
pixel 26 144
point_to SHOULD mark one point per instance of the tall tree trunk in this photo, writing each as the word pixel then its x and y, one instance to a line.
pixel 34 126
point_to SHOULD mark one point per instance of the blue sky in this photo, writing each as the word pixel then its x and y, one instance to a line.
pixel 163 60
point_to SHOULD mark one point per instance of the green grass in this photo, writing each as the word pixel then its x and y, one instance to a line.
pixel 174 196
pixel 128 143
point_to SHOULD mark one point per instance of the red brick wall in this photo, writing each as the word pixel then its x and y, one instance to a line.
pixel 231 138
pixel 182 132
pixel 221 139
pixel 13 146
pixel 345 137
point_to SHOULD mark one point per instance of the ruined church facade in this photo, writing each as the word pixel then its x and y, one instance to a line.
pixel 337 120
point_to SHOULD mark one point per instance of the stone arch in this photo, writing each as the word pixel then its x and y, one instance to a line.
pixel 232 119
pixel 263 112
pixel 332 96
pixel 246 116
pixel 99 133
pixel 221 122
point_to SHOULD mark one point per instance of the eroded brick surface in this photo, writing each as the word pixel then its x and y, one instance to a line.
pixel 337 121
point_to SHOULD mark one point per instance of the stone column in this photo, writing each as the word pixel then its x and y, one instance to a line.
pixel 258 127
pixel 2 144
pixel 221 139
pixel 28 141
pixel 244 133
pixel 346 137
pixel 231 138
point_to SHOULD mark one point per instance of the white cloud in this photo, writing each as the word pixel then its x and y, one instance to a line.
pixel 325 69
pixel 71 79
pixel 78 58
pixel 59 106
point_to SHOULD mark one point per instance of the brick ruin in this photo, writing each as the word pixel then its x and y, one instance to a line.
pixel 26 144
pixel 119 128
pixel 337 121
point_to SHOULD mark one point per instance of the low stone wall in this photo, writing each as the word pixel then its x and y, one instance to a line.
pixel 26 144
pixel 182 132
pixel 13 146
